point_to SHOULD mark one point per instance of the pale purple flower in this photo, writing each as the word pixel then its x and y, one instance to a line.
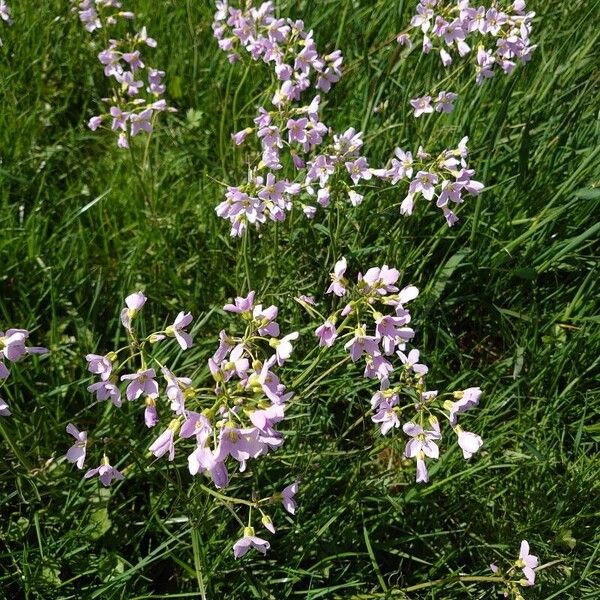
pixel 386 416
pixel 355 198
pixel 12 344
pixel 309 211
pixel 412 362
pixel 445 57
pixel 128 82
pixel 99 365
pixel 142 383
pixel 283 346
pixel 105 472
pixel 242 305
pixel 239 137
pixel 390 332
pixel 5 12
pixel 297 130
pixel 401 166
pixel 164 442
pixel 249 541
pixel 4 372
pixel 361 344
pixel 141 122
pixel 380 280
pixel 445 102
pixel 202 460
pixel 338 283
pixel 143 36
pixel 106 390
pixel 358 169
pixel 423 18
pixel 469 442
pixel 485 63
pixel 150 412
pixel 265 319
pixel 76 453
pixel 527 562
pixel 197 425
pixel 184 339
pixel 327 333
pixel 424 182
pixel 306 299
pixel 95 122
pixel 134 303
pixel 239 443
pixel 287 497
pixel 422 445
pixel 465 400
pixel 4 409
pixel 134 60
pixel 422 106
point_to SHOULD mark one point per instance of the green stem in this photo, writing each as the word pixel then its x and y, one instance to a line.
pixel 430 584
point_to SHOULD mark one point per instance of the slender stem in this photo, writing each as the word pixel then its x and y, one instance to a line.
pixel 430 584
pixel 197 563
pixel 225 498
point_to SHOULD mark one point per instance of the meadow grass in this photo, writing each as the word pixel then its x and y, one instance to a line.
pixel 509 301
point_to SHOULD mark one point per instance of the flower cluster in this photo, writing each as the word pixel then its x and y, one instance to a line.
pixel 96 14
pixel 446 178
pixel 375 329
pixel 500 36
pixel 137 97
pixel 320 166
pixel 282 42
pixel 12 349
pixel 526 563
pixel 444 103
pixel 4 15
pixel 232 419
pixel 332 172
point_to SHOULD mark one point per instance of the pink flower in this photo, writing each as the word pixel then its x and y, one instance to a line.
pixel 361 344
pixel 386 416
pixel 204 460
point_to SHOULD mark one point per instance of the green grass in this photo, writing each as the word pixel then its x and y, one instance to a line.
pixel 509 302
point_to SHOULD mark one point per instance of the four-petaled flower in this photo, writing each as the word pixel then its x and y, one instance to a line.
pixel 250 541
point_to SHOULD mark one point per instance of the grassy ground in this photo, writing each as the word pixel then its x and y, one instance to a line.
pixel 509 302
